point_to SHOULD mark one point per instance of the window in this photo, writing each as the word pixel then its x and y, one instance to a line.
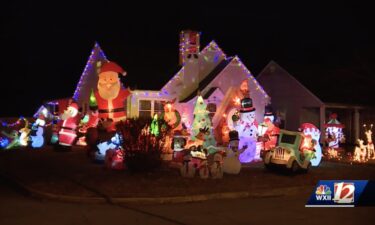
pixel 288 139
pixel 147 108
pixel 211 107
pixel 144 109
pixel 158 107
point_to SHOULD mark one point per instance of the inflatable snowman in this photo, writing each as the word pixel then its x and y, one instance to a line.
pixel 232 164
pixel 314 132
pixel 114 143
pixel 37 138
pixel 37 141
pixel 248 131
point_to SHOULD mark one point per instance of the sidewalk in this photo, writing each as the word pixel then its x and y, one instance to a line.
pixel 71 176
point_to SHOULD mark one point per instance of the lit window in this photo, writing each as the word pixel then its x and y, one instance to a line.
pixel 211 107
pixel 144 109
pixel 159 107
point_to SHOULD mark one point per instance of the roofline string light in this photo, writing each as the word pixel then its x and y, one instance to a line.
pixel 250 76
pixel 88 67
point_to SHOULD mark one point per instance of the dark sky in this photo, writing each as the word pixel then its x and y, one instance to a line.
pixel 45 47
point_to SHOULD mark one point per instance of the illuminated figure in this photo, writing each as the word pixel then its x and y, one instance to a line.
pixel 36 137
pixel 360 152
pixel 334 135
pixel 248 131
pixel 111 96
pixel 68 133
pixel 314 133
pixel 15 140
pixel 232 164
pixel 24 137
pixel 370 144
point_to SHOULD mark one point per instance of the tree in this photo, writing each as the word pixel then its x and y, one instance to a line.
pixel 201 121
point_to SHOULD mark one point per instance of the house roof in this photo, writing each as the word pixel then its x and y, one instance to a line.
pixel 164 78
pixel 349 86
pixel 208 79
pixel 209 92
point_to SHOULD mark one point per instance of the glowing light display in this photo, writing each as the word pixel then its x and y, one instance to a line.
pixel 314 133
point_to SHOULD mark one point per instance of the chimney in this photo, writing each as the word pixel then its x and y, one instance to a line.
pixel 189 45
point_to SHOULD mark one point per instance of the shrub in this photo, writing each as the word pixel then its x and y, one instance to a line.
pixel 142 149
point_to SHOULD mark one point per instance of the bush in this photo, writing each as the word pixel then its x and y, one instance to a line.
pixel 142 149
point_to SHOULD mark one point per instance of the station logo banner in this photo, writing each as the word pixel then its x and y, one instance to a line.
pixel 342 193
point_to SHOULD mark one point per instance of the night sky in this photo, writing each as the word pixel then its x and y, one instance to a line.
pixel 45 47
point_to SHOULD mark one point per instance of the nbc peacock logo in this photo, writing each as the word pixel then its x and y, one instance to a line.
pixel 323 193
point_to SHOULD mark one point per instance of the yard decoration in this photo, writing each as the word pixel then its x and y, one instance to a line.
pixel 334 135
pixel 68 133
pixel 178 145
pixel 314 132
pixel 25 132
pixel 268 113
pixel 370 144
pixel 248 131
pixel 294 150
pixel 232 164
pixel 197 158
pixel 114 143
pixel 362 152
pixel 13 136
pixel 90 120
pixel 155 126
pixel 36 136
pixel 114 159
pixel 270 135
pixel 37 140
pixel 55 131
pixel 4 142
pixel 171 116
pixel 111 96
pixel 203 121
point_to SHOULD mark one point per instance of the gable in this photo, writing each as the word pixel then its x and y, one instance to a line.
pixel 89 77
pixel 209 58
pixel 208 79
pixel 282 86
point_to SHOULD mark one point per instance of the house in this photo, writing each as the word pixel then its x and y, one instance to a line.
pixel 216 76
pixel 296 104
pixel 209 71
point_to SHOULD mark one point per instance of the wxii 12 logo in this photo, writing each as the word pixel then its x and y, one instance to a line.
pixel 323 193
pixel 343 192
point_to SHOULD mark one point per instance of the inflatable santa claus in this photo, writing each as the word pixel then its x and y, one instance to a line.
pixel 68 133
pixel 271 134
pixel 110 95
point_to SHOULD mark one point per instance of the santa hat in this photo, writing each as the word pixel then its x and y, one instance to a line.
pixel 74 105
pixel 246 105
pixel 305 126
pixel 113 67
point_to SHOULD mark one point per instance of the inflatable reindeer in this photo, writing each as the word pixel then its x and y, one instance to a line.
pixel 360 151
pixel 197 158
pixel 370 144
